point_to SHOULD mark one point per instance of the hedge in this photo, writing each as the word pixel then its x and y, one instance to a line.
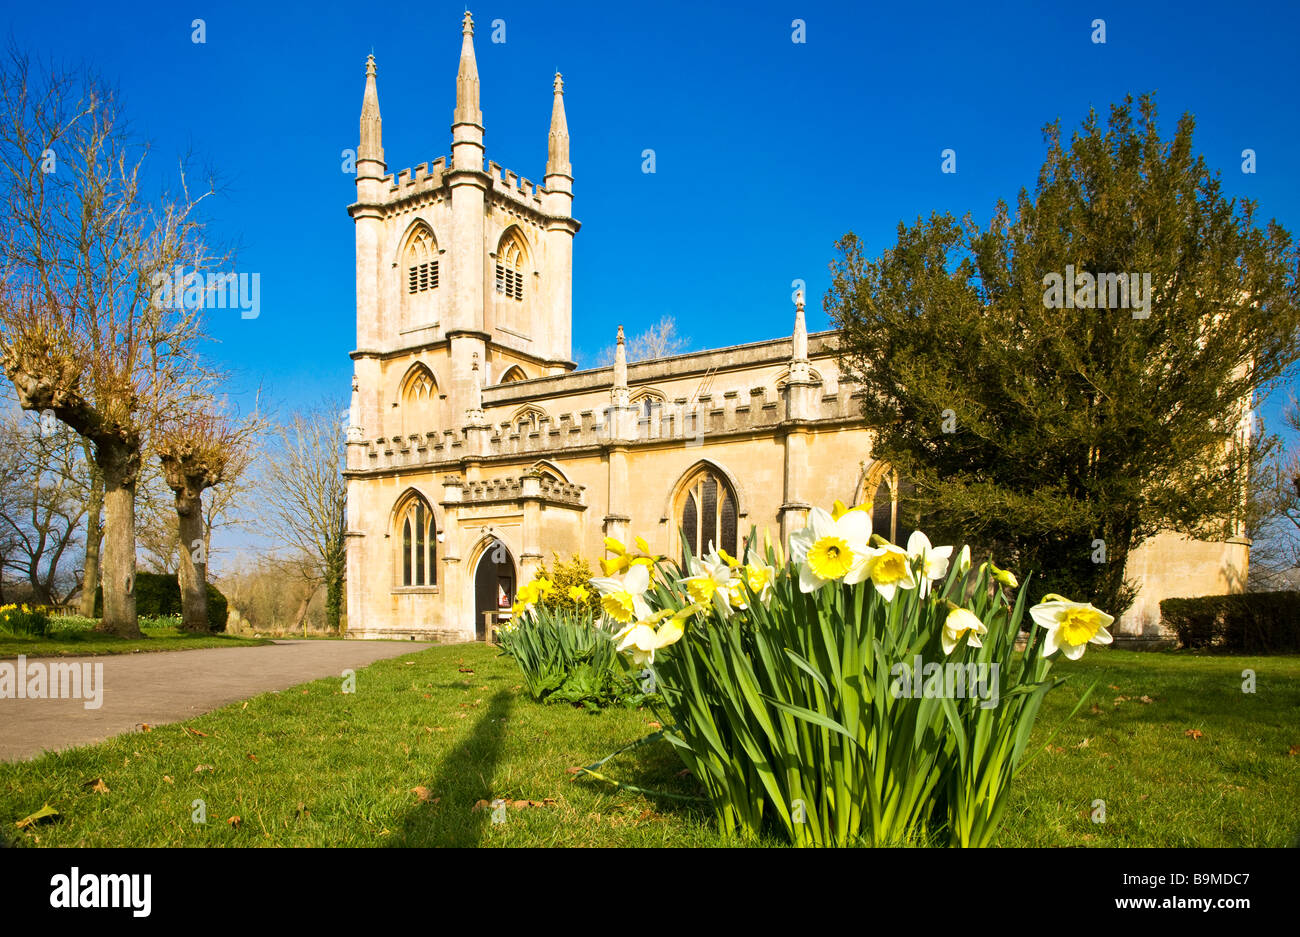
pixel 1250 623
pixel 160 594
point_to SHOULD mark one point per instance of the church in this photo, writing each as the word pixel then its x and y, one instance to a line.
pixel 476 449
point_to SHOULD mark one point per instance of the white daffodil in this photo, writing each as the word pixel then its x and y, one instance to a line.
pixel 933 560
pixel 889 570
pixel 831 549
pixel 642 639
pixel 623 597
pixel 1071 626
pixel 963 560
pixel 961 621
pixel 759 575
pixel 714 576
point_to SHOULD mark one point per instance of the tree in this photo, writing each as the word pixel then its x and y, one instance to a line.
pixel 1274 522
pixel 659 341
pixel 1064 434
pixel 41 511
pixel 196 450
pixel 82 331
pixel 308 499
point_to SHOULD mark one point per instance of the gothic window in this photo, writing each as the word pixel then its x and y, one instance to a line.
pixel 419 401
pixel 510 265
pixel 515 373
pixel 707 515
pixel 421 262
pixel 895 512
pixel 418 544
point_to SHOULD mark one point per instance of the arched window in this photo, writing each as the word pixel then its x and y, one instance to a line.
pixel 646 401
pixel 417 544
pixel 515 373
pixel 511 253
pixel 420 262
pixel 895 511
pixel 706 514
pixel 418 399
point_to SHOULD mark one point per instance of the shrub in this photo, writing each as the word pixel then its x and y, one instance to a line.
pixel 24 621
pixel 1249 623
pixel 566 576
pixel 159 594
pixel 565 656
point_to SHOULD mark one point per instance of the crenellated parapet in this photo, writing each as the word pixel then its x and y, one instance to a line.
pixel 529 486
pixel 691 422
pixel 512 186
pixel 426 177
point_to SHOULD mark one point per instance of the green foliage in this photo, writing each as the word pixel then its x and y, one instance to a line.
pixel 792 712
pixel 24 621
pixel 1251 623
pixel 565 575
pixel 568 657
pixel 1068 426
pixel 159 594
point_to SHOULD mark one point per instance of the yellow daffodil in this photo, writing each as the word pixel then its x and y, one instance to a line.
pixel 641 639
pixel 889 570
pixel 1071 626
pixel 932 562
pixel 578 594
pixel 831 549
pixel 839 509
pixel 961 621
pixel 623 597
pixel 759 576
pixel 1003 576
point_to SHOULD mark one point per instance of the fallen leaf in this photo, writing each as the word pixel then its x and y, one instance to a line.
pixel 190 731
pixel 302 810
pixel 45 813
pixel 1193 733
pixel 1113 687
pixel 245 706
pixel 655 725
pixel 252 757
pixel 1147 699
pixel 480 805
pixel 1295 750
pixel 304 692
pixel 422 793
pixel 168 779
pixel 235 821
pixel 201 768
pixel 576 770
pixel 1083 744
pixel 98 786
pixel 1095 709
pixel 145 727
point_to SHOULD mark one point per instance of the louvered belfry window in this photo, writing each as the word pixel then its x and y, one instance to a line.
pixel 421 264
pixel 510 267
pixel 422 276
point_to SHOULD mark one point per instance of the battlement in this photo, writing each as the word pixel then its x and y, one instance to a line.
pixel 514 186
pixel 647 423
pixel 529 485
pixel 427 178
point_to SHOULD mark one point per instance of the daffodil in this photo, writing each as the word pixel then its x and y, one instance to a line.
pixel 623 560
pixel 758 575
pixel 714 576
pixel 831 549
pixel 1071 626
pixel 623 597
pixel 641 639
pixel 961 621
pixel 932 561
pixel 578 594
pixel 889 570
pixel 963 560
pixel 1003 576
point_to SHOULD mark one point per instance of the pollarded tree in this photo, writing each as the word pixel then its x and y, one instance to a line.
pixel 195 451
pixel 1070 380
pixel 84 252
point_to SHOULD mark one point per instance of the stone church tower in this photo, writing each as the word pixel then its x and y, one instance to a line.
pixel 476 450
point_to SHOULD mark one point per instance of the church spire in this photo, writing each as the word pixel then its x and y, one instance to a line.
pixel 800 368
pixel 557 149
pixel 467 109
pixel 619 392
pixel 372 138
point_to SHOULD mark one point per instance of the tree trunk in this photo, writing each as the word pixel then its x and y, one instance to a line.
pixel 94 536
pixel 192 573
pixel 119 545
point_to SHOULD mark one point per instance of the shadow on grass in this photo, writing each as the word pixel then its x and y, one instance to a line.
pixel 463 778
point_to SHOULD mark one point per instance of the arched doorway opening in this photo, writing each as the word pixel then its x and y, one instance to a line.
pixel 494 585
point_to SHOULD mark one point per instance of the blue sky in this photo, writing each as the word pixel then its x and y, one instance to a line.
pixel 766 150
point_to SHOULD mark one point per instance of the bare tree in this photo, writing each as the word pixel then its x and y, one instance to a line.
pixel 308 499
pixel 1274 515
pixel 661 340
pixel 82 331
pixel 196 451
pixel 40 516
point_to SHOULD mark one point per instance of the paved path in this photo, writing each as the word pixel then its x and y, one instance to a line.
pixel 171 686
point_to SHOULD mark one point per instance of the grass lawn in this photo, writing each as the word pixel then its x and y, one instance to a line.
pixel 404 760
pixel 76 637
